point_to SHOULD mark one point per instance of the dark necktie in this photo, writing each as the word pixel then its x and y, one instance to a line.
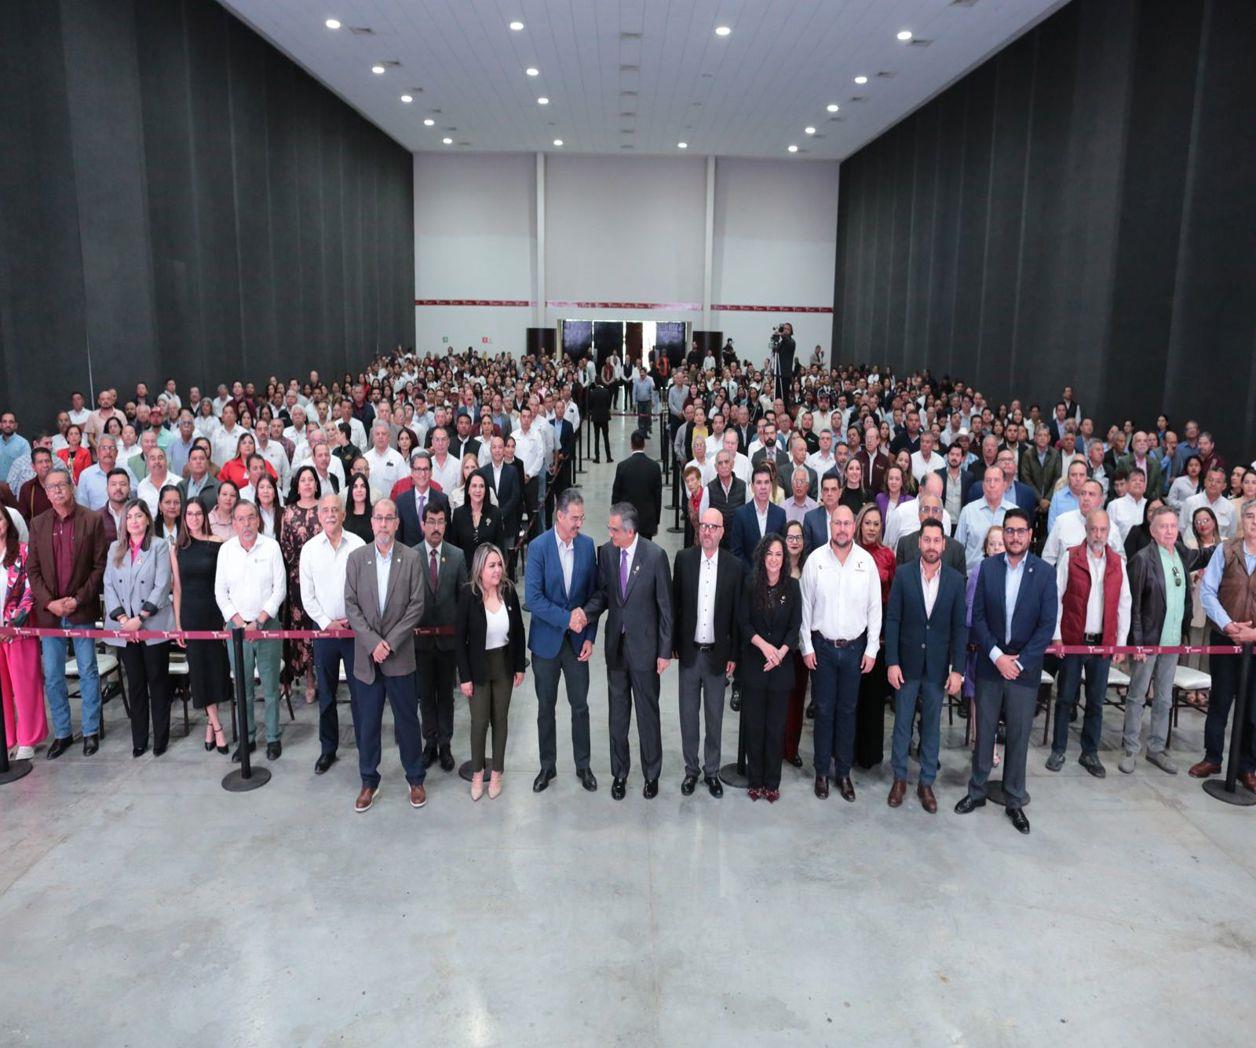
pixel 433 572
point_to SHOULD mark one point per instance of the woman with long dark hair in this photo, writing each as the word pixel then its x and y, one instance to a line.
pixel 874 688
pixel 300 524
pixel 796 548
pixel 358 507
pixel 854 495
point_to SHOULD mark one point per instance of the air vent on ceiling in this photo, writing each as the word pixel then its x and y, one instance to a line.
pixel 886 74
pixel 963 3
pixel 415 90
pixel 464 143
pixel 434 112
pixel 695 103
pixel 859 98
pixel 836 119
pixel 919 43
pixel 708 76
pixel 390 63
pixel 361 30
pixel 627 94
pixel 625 145
pixel 629 36
pixel 629 69
pixel 628 113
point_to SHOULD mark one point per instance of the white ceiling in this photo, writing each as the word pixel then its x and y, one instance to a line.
pixel 750 93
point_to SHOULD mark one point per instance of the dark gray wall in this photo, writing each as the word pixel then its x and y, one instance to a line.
pixel 1081 209
pixel 178 198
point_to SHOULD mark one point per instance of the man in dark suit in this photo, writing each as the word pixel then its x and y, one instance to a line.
pixel 463 441
pixel 383 652
pixel 634 589
pixel 199 484
pixel 113 512
pixel 926 646
pixel 412 504
pixel 502 480
pixel 1040 468
pixel 561 577
pixel 929 506
pixel 757 518
pixel 639 480
pixel 874 460
pixel 599 406
pixel 815 525
pixel 706 589
pixel 726 493
pixel 772 452
pixel 956 481
pixel 444 573
pixel 783 364
pixel 563 473
pixel 1013 622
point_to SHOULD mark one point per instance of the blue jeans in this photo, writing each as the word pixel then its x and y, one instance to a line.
pixel 53 650
pixel 367 702
pixel 930 695
pixel 835 688
pixel 329 652
pixel 1068 685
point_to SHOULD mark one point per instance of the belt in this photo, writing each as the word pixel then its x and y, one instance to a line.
pixel 704 647
pixel 838 643
pixel 1092 638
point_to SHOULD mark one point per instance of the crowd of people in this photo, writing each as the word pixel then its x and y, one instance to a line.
pixel 871 538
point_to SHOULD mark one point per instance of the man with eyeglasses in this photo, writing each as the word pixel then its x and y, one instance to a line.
pixel 412 504
pixel 1013 619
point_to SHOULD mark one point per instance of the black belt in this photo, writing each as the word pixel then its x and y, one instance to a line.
pixel 861 639
pixel 1092 639
pixel 704 647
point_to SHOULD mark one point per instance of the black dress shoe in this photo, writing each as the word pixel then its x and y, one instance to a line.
pixel 542 779
pixel 715 786
pixel 822 787
pixel 236 756
pixel 968 803
pixel 91 743
pixel 734 703
pixel 273 750
pixel 618 788
pixel 138 751
pixel 587 779
pixel 651 789
pixel 446 758
pixel 846 788
pixel 431 754
pixel 688 785
pixel 158 750
pixel 1019 819
pixel 795 760
pixel 324 762
pixel 59 746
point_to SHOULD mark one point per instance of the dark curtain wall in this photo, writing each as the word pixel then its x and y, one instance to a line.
pixel 1079 210
pixel 177 198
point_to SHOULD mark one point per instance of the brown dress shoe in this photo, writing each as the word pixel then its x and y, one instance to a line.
pixel 846 788
pixel 418 796
pixel 1204 769
pixel 927 800
pixel 822 787
pixel 1248 779
pixel 897 791
pixel 365 799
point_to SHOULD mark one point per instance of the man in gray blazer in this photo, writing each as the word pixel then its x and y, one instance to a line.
pixel 384 595
pixel 634 589
pixel 444 574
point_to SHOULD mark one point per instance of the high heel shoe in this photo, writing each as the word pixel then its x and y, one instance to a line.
pixel 221 740
pixel 494 785
pixel 209 737
pixel 477 785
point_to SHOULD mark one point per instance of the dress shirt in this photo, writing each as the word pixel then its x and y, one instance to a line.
pixel 383 570
pixel 251 581
pixel 92 489
pixel 1063 501
pixel 930 587
pixel 1094 601
pixel 795 510
pixel 632 555
pixel 1175 583
pixel 953 493
pixel 762 518
pixel 224 443
pixel 322 572
pixel 277 458
pixel 531 450
pixel 921 468
pixel 1069 531
pixel 1212 580
pixel 708 572
pixel 387 467
pixel 177 455
pixel 821 463
pixel 448 476
pixel 150 492
pixel 643 390
pixel 1223 509
pixel 12 448
pixel 840 601
pixel 707 469
pixel 975 520
pixel 1011 590
pixel 1124 513
pixel 566 560
pixel 905 520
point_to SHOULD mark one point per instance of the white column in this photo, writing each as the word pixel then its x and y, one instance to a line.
pixel 709 246
pixel 538 309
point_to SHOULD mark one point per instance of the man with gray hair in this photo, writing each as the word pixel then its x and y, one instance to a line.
pixel 93 491
pixel 387 465
pixel 634 588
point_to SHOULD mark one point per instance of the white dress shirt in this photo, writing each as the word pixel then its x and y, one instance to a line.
pixel 905 520
pixel 1223 509
pixel 840 601
pixel 322 572
pixel 249 582
pixel 150 493
pixel 1124 513
pixel 448 476
pixel 224 443
pixel 531 449
pixel 921 467
pixel 383 572
pixel 707 469
pixel 708 569
pixel 1069 531
pixel 1094 601
pixel 566 559
pixel 387 467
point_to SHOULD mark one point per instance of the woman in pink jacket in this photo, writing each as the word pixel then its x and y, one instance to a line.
pixel 21 679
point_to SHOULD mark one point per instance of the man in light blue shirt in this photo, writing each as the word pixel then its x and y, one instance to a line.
pixel 977 518
pixel 1067 497
pixel 12 444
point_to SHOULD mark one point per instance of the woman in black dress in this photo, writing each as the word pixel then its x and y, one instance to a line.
pixel 476 520
pixel 358 508
pixel 194 560
pixel 770 614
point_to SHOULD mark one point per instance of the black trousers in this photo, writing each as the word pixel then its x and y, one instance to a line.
pixel 870 715
pixel 147 669
pixel 603 430
pixel 329 652
pixel 764 708
pixel 530 495
pixel 434 671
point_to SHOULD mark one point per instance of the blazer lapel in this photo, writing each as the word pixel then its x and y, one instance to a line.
pixel 556 569
pixel 372 580
pixel 634 569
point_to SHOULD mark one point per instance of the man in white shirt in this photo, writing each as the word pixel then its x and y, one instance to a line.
pixel 322 574
pixel 158 477
pixel 701 462
pixel 926 460
pixel 226 437
pixel 838 638
pixel 530 449
pixel 1069 529
pixel 446 469
pixel 905 518
pixel 273 452
pixel 1128 510
pixel 1213 498
pixel 250 586
pixel 387 465
pixel 331 474
pixel 800 503
pixel 823 460
pixel 740 463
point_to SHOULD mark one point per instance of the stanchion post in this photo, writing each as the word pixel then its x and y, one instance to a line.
pixel 1227 789
pixel 246 777
pixel 734 775
pixel 10 771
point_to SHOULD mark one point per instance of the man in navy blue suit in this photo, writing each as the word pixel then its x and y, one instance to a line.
pixel 926 645
pixel 815 525
pixel 757 518
pixel 1014 613
pixel 561 577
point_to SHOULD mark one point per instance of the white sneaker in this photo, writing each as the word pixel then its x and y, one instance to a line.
pixel 24 753
pixel 1128 763
pixel 1162 761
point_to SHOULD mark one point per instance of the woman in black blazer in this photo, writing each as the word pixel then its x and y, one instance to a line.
pixel 770 614
pixel 476 521
pixel 489 646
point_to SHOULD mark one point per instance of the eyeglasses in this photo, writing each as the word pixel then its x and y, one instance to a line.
pixel 383 519
pixel 710 527
pixel 1015 531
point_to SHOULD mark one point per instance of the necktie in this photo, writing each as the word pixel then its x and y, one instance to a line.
pixel 623 573
pixel 432 570
pixel 422 504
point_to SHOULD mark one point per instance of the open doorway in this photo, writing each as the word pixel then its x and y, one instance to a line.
pixel 632 340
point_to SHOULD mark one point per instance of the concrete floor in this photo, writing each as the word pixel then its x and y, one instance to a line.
pixel 142 905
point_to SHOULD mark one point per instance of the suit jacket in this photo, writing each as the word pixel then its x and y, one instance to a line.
pixel 639 623
pixel 459 447
pixel 463 533
pixel 815 528
pixel 813 480
pixel 927 647
pixel 778 625
pixel 509 500
pixel 549 602
pixel 1147 591
pixel 1042 477
pixel 965 485
pixel 470 629
pixel 746 530
pixel 404 606
pixel 411 531
pixel 86 576
pixel 440 604
pixel 1155 476
pixel 953 556
pixel 727 505
pixel 779 459
pixel 208 495
pixel 639 480
pixel 599 403
pixel 1033 618
pixel 874 470
pixel 107 522
pixel 728 580
pixel 142 585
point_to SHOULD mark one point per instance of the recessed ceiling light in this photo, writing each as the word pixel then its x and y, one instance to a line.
pixel 532 71
pixel 809 130
pixel 516 26
pixel 332 23
pixel 558 141
pixel 832 107
pixel 429 122
pixel 793 149
pixel 861 79
pixel 722 30
pixel 904 35
pixel 378 70
pixel 682 145
pixel 542 101
pixel 407 99
pixel 448 141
